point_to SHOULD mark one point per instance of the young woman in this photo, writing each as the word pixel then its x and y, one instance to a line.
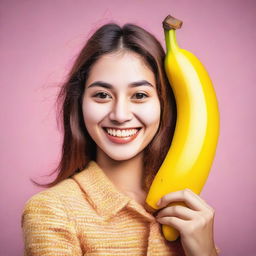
pixel 118 114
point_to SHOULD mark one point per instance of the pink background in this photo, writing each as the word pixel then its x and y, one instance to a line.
pixel 39 41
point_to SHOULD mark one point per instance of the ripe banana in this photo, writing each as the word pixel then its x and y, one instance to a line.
pixel 189 159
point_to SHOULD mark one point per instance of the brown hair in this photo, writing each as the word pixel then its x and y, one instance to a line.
pixel 78 148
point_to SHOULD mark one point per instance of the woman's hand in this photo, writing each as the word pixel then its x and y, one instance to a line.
pixel 194 221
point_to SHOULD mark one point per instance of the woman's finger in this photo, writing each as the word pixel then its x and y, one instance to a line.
pixel 174 222
pixel 179 211
pixel 203 202
pixel 186 196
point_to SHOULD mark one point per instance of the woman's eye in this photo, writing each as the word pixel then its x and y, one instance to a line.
pixel 140 95
pixel 101 95
pixel 106 96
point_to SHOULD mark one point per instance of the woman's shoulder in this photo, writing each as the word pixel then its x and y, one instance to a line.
pixel 48 223
pixel 67 195
pixel 56 196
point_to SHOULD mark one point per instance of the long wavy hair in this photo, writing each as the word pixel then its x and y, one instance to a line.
pixel 78 148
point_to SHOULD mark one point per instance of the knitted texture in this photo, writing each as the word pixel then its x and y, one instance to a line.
pixel 87 215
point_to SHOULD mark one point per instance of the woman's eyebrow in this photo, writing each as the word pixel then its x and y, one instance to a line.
pixel 109 86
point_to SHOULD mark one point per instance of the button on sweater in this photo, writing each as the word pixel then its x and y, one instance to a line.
pixel 86 215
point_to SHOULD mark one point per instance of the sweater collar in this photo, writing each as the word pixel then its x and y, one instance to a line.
pixel 100 191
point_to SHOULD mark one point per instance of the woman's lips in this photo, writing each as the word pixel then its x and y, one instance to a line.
pixel 121 140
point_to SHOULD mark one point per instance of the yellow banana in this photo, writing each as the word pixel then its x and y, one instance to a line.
pixel 189 159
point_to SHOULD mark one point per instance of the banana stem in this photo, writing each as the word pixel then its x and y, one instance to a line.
pixel 170 24
pixel 170 40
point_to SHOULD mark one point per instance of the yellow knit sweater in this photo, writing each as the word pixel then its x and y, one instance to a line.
pixel 87 215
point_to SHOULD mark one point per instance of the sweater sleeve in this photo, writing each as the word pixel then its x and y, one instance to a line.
pixel 46 228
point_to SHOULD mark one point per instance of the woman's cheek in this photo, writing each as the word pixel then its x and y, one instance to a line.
pixel 149 113
pixel 93 112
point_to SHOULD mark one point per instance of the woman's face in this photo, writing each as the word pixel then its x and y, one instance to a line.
pixel 121 108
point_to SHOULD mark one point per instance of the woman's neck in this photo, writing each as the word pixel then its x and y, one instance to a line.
pixel 125 175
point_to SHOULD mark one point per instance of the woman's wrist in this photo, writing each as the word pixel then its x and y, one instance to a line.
pixel 215 251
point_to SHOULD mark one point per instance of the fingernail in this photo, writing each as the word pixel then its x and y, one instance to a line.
pixel 159 202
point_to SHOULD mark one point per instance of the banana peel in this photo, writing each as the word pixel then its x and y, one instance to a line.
pixel 190 156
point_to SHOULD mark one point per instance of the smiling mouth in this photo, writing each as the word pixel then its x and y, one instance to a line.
pixel 121 133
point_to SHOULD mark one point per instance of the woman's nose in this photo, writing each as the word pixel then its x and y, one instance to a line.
pixel 120 111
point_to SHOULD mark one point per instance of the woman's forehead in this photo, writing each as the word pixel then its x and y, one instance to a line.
pixel 116 68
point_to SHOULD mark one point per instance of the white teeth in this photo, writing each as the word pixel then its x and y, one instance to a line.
pixel 122 133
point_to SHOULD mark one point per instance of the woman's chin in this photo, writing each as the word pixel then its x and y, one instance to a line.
pixel 119 156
